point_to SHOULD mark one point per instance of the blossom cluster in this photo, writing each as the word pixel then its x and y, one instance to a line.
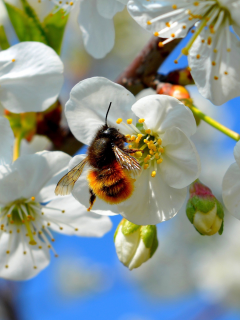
pixel 139 148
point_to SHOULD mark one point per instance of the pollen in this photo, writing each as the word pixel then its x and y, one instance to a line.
pixel 173 35
pixel 129 121
pixel 145 166
pixel 138 154
pixel 148 131
pixel 159 161
pixel 156 34
pixel 133 138
pixel 119 120
pixel 160 44
pixel 141 120
pixel 13 60
pixel 153 174
pixel 128 136
pixel 149 23
pixel 198 56
pixel 161 150
pixel 215 78
pixel 156 156
pixel 71 3
pixel 174 6
pixel 159 141
pixel 185 51
pixel 213 63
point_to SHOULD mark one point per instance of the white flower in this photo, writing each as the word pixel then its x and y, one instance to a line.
pixel 170 160
pixel 213 50
pixel 231 185
pixel 31 77
pixel 29 210
pixel 96 23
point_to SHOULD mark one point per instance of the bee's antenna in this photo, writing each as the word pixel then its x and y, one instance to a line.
pixel 107 113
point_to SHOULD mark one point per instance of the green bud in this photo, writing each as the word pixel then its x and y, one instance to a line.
pixel 204 211
pixel 135 244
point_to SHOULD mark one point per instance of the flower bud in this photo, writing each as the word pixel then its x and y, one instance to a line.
pixel 135 244
pixel 204 211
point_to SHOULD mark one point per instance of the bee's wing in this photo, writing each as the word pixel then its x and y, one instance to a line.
pixel 126 161
pixel 66 184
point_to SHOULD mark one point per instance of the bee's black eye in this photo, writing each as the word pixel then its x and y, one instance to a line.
pixel 110 131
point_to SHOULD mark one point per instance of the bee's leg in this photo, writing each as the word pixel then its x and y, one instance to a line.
pixel 131 150
pixel 91 199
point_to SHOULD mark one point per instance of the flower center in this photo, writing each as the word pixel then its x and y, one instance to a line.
pixel 31 220
pixel 210 15
pixel 149 144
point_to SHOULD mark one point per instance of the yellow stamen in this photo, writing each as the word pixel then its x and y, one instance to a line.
pixel 133 138
pixel 32 198
pixel 174 6
pixel 141 120
pixel 128 136
pixel 145 166
pixel 156 34
pixel 153 174
pixel 159 161
pixel 138 154
pixel 119 120
pixel 156 156
pixel 32 241
pixel 148 131
pixel 149 22
pixel 129 121
pixel 159 141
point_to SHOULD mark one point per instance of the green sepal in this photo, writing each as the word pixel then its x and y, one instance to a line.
pixel 203 205
pixel 32 15
pixel 220 231
pixel 190 211
pixel 220 211
pixel 4 44
pixel 54 27
pixel 24 25
pixel 149 238
pixel 129 227
pixel 147 235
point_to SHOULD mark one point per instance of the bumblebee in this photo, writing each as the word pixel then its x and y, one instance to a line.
pixel 112 168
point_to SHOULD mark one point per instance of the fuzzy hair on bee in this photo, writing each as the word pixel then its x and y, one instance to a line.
pixel 112 168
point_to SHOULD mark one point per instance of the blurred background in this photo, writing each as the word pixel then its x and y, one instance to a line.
pixel 190 276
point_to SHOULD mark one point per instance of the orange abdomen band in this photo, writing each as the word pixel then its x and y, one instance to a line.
pixel 111 184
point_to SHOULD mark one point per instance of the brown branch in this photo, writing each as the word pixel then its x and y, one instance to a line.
pixel 142 71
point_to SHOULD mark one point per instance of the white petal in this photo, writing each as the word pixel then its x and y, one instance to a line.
pixel 227 86
pixel 7 140
pixel 237 153
pixel 33 81
pixel 88 104
pixel 153 201
pixel 40 173
pixel 98 32
pixel 231 190
pixel 181 162
pixel 162 112
pixel 81 192
pixel 143 11
pixel 11 184
pixel 76 220
pixel 108 8
pixel 21 266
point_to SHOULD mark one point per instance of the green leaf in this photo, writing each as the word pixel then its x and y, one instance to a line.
pixel 24 24
pixel 4 44
pixel 54 27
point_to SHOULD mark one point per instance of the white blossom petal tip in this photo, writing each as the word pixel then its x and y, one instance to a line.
pixel 31 77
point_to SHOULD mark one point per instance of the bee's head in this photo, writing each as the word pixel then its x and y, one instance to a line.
pixel 111 133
